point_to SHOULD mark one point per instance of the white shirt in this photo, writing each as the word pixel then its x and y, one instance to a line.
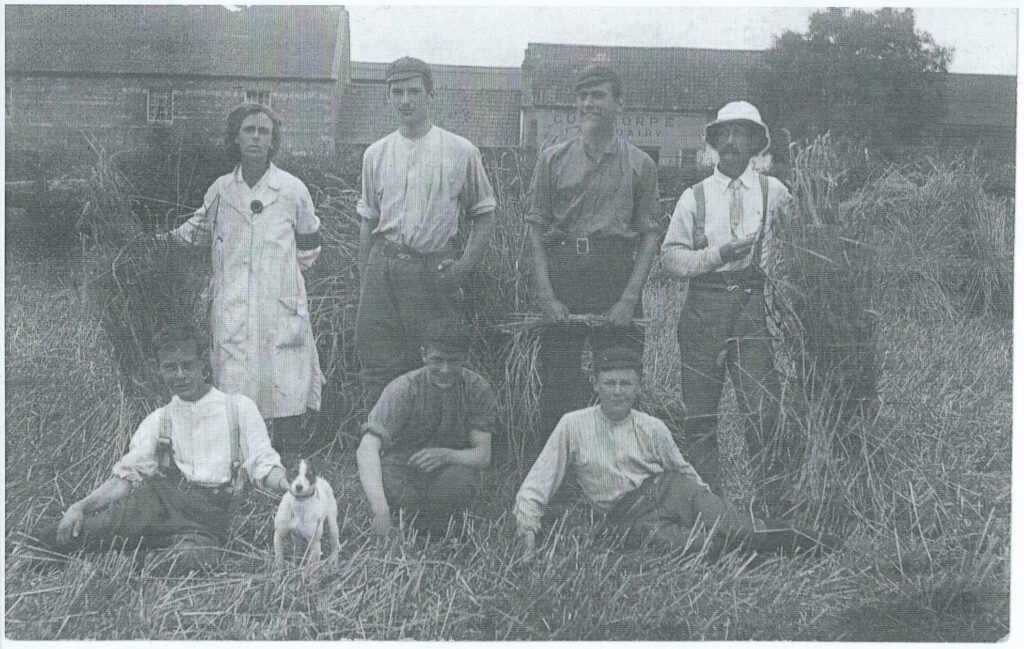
pixel 201 440
pixel 609 459
pixel 413 189
pixel 677 254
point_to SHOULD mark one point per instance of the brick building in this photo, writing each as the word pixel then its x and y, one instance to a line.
pixel 128 74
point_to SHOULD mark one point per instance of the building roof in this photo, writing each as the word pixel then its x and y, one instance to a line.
pixel 654 78
pixel 267 42
pixel 981 100
pixel 478 103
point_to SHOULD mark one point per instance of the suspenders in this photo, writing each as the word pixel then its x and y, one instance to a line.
pixel 165 450
pixel 700 240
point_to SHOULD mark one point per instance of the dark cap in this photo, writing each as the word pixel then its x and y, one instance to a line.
pixel 448 334
pixel 595 74
pixel 408 67
pixel 618 358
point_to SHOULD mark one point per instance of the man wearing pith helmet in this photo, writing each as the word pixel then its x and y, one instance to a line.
pixel 594 236
pixel 415 183
pixel 716 238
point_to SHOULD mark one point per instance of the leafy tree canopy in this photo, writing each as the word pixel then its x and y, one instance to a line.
pixel 870 75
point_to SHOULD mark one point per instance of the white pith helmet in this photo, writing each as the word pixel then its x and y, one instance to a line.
pixel 737 111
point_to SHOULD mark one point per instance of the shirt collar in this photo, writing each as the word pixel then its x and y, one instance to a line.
pixel 747 179
pixel 272 177
pixel 212 393
pixel 611 148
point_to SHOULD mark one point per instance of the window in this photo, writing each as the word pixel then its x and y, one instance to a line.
pixel 261 97
pixel 159 106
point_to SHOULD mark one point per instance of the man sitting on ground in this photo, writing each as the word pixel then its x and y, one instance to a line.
pixel 173 488
pixel 628 467
pixel 428 435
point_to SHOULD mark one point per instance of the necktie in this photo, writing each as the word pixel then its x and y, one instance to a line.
pixel 735 207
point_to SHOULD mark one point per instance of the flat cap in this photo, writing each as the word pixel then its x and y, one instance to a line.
pixel 407 67
pixel 595 74
pixel 448 334
pixel 617 358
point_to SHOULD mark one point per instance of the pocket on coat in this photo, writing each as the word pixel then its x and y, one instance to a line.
pixel 293 313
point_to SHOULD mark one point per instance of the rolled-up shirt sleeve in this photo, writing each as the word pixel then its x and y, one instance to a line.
pixel 483 406
pixel 368 206
pixel 388 417
pixel 543 480
pixel 477 195
pixel 258 456
pixel 677 254
pixel 307 228
pixel 140 460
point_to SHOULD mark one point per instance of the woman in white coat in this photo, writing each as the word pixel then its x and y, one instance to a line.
pixel 263 231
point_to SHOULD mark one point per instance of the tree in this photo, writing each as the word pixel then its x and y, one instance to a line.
pixel 867 75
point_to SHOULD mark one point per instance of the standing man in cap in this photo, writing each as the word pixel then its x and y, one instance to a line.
pixel 415 182
pixel 428 436
pixel 628 468
pixel 715 239
pixel 594 237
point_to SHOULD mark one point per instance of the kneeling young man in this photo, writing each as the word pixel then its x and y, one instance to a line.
pixel 629 468
pixel 173 488
pixel 428 435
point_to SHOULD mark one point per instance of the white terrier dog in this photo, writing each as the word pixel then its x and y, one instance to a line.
pixel 306 510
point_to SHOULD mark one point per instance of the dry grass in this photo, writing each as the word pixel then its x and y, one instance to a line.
pixel 922 497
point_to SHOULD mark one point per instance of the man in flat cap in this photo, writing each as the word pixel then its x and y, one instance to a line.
pixel 415 182
pixel 428 436
pixel 594 236
pixel 629 469
pixel 716 238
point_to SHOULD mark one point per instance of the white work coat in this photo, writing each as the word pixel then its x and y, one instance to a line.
pixel 262 343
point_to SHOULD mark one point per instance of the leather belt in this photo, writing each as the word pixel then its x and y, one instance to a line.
pixel 401 251
pixel 741 280
pixel 589 245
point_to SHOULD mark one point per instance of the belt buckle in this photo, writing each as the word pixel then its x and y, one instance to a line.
pixel 732 287
pixel 403 255
pixel 582 246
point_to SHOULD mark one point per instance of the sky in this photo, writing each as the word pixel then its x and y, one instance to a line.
pixel 984 40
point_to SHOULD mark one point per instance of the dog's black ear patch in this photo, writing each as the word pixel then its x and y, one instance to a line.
pixel 311 471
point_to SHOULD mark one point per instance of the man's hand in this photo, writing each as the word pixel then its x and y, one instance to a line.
pixel 430 459
pixel 453 274
pixel 526 546
pixel 70 524
pixel 554 309
pixel 381 525
pixel 736 250
pixel 621 314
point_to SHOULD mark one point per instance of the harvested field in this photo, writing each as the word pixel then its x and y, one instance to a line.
pixel 890 302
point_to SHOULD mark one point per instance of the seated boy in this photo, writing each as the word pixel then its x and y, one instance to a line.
pixel 427 436
pixel 629 468
pixel 173 488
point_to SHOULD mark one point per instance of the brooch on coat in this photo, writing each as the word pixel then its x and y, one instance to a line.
pixel 256 207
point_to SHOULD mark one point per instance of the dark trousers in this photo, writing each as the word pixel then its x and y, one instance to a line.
pixel 720 330
pixel 398 298
pixel 671 509
pixel 286 437
pixel 430 498
pixel 158 514
pixel 586 284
